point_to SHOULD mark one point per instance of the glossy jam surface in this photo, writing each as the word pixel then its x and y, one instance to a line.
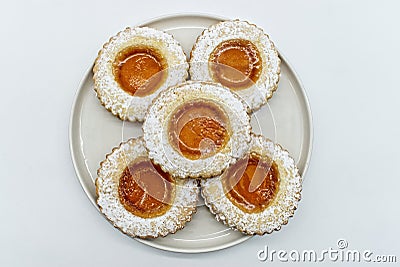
pixel 199 129
pixel 251 184
pixel 145 190
pixel 236 64
pixel 139 70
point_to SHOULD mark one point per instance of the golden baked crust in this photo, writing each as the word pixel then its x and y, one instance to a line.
pixel 278 211
pixel 182 207
pixel 108 90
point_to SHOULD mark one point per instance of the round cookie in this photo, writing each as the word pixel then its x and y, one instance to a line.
pixel 133 67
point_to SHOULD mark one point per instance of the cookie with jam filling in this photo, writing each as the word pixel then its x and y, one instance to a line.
pixel 133 67
pixel 240 56
pixel 197 129
pixel 138 197
pixel 259 193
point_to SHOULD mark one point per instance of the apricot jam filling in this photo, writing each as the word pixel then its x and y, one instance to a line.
pixel 236 64
pixel 145 190
pixel 199 129
pixel 252 183
pixel 139 70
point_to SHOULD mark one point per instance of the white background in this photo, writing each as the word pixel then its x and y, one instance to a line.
pixel 347 55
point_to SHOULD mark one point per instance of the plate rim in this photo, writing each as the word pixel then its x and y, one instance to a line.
pixel 73 114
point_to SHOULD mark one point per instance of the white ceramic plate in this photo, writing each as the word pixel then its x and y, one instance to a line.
pixel 94 132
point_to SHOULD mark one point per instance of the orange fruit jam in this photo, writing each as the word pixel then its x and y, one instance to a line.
pixel 199 129
pixel 236 64
pixel 139 70
pixel 252 183
pixel 145 190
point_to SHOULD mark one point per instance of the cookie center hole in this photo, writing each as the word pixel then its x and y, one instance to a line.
pixel 145 190
pixel 252 183
pixel 236 64
pixel 199 129
pixel 139 71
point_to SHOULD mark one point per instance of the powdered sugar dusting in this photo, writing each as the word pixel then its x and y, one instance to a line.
pixel 156 137
pixel 275 215
pixel 256 95
pixel 109 92
pixel 181 211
